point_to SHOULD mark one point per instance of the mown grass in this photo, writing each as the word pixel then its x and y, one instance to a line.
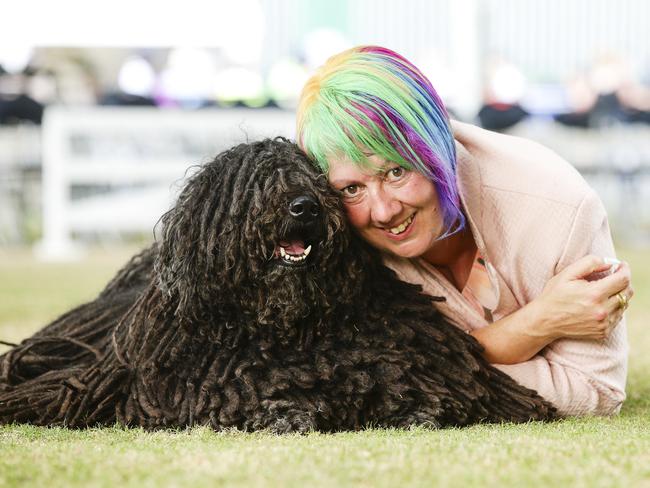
pixel 575 452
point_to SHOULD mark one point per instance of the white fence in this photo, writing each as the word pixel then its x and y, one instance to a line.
pixel 111 171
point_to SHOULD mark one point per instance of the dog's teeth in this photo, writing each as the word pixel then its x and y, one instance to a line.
pixel 292 257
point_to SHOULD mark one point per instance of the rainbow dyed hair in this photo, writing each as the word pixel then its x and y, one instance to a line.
pixel 370 98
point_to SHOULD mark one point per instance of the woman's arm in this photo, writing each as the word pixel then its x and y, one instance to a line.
pixel 580 375
pixel 569 307
pixel 512 339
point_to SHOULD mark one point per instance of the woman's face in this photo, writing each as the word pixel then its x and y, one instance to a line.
pixel 394 209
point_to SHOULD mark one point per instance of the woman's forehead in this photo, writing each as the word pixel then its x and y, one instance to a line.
pixel 343 169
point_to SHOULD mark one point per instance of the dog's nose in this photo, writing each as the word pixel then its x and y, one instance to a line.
pixel 304 208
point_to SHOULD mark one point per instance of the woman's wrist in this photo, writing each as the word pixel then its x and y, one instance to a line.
pixel 535 322
pixel 517 337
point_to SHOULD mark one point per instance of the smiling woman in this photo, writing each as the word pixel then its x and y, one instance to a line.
pixel 507 232
pixel 393 208
pixel 370 101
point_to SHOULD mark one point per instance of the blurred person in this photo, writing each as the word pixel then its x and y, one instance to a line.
pixel 581 98
pixel 504 89
pixel 635 100
pixel 607 76
pixel 76 79
pixel 136 82
pixel 41 86
pixel 16 105
pixel 503 229
pixel 608 94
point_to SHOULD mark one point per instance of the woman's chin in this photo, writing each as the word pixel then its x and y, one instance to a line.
pixel 406 249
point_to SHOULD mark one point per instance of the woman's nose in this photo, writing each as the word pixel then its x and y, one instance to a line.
pixel 383 207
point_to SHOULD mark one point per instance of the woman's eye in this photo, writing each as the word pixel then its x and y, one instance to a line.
pixel 396 172
pixel 350 191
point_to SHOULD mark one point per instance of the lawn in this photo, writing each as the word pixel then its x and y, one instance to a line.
pixel 578 452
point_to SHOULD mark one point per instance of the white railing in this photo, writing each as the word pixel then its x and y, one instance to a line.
pixel 132 157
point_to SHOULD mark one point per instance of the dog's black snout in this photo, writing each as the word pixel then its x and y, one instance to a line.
pixel 304 208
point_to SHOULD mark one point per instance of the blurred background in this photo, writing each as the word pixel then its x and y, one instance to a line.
pixel 104 107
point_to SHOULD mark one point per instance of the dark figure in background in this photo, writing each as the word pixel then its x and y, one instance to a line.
pixel 609 94
pixel 16 105
pixel 504 90
pixel 500 116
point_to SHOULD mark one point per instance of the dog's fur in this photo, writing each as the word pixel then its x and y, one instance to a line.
pixel 214 326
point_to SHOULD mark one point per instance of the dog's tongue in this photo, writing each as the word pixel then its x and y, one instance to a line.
pixel 293 247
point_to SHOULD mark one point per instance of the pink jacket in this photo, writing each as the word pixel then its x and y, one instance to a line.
pixel 532 214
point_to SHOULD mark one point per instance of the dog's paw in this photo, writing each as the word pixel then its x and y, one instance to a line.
pixel 295 423
pixel 283 417
pixel 424 419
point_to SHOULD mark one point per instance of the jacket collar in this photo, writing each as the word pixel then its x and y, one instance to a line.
pixel 472 196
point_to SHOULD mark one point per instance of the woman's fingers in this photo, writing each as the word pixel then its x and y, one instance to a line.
pixel 581 301
pixel 614 320
pixel 621 299
pixel 615 303
pixel 615 283
pixel 585 266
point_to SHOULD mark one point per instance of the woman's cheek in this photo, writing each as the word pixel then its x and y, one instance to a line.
pixel 358 215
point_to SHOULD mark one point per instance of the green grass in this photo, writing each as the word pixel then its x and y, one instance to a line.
pixel 589 452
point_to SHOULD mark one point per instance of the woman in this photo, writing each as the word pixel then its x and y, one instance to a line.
pixel 504 229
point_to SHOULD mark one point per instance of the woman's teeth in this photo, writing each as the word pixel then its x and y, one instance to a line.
pixel 296 259
pixel 402 227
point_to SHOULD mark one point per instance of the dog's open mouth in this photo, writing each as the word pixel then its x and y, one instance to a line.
pixel 294 251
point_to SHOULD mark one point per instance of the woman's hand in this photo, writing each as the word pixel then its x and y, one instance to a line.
pixel 573 306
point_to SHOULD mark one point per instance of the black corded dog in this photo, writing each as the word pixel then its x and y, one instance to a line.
pixel 258 309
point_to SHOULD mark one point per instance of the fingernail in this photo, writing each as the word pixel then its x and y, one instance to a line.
pixel 614 264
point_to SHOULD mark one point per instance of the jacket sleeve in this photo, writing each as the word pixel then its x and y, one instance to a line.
pixel 581 377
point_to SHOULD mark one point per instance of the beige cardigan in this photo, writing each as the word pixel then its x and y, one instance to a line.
pixel 532 214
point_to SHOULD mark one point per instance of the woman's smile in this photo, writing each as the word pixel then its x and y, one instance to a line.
pixel 403 230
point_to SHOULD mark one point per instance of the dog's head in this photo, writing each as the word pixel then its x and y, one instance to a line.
pixel 258 237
